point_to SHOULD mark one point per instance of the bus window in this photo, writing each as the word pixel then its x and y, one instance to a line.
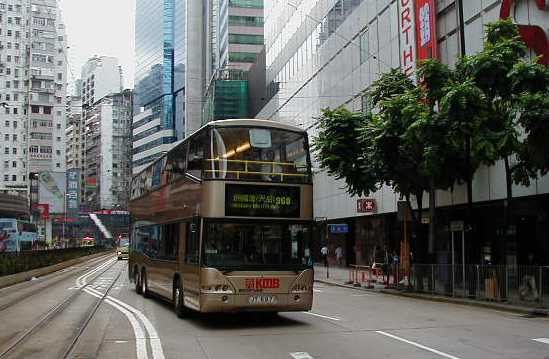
pixel 257 154
pixel 192 245
pixel 168 245
pixel 196 155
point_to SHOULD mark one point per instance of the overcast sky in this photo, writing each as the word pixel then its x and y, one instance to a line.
pixel 100 27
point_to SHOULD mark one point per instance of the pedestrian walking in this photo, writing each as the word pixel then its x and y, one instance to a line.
pixel 324 254
pixel 339 255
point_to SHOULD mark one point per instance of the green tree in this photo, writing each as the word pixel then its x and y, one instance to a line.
pixel 513 108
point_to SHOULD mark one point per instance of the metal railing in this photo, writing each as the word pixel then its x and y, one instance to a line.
pixel 16 262
pixel 525 285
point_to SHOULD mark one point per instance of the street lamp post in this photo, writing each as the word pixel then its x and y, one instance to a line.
pixel 64 217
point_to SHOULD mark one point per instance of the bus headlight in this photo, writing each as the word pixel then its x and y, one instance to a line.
pixel 119 253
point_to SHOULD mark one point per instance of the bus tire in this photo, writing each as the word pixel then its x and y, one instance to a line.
pixel 178 300
pixel 137 280
pixel 144 284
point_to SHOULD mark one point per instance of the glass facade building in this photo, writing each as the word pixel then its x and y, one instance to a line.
pixel 154 80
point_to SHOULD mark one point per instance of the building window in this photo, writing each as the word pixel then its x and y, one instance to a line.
pixel 246 39
pixel 242 57
pixel 58 165
pixel 58 152
pixel 7 123
pixel 7 136
pixel 245 20
pixel 14 122
pixel 14 150
pixel 14 178
pixel 15 111
pixel 35 109
pixel 14 164
pixel 6 164
pixel 58 126
pixel 256 4
pixel 6 178
pixel 14 138
pixel 47 110
pixel 6 151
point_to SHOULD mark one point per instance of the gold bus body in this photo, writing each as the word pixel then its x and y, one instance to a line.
pixel 208 289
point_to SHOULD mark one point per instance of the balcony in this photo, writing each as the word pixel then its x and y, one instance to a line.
pixel 40 156
pixel 43 90
pixel 42 77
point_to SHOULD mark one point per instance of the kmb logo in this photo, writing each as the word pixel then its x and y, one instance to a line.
pixel 534 36
pixel 262 283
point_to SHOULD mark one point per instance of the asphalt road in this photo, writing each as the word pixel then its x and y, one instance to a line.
pixel 92 311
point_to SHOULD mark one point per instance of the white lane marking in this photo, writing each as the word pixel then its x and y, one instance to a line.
pixel 301 355
pixel 417 345
pixel 120 341
pixel 81 281
pixel 140 339
pixel 542 340
pixel 362 295
pixel 154 338
pixel 322 316
pixel 317 290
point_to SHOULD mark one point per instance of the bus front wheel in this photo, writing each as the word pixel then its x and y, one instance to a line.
pixel 137 280
pixel 144 284
pixel 178 300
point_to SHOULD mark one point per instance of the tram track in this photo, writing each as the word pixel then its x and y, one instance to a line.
pixel 56 310
pixel 49 282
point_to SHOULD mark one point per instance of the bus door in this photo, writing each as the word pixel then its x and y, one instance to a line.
pixel 189 267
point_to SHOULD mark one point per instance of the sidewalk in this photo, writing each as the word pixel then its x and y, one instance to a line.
pixel 338 276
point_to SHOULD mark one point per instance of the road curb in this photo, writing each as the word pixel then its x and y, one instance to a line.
pixel 441 299
pixel 16 278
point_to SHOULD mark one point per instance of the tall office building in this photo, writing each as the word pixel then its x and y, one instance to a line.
pixel 167 102
pixel 32 96
pixel 101 76
pixel 240 33
pixel 234 42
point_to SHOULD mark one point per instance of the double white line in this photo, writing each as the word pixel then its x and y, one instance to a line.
pixel 143 329
pixel 135 317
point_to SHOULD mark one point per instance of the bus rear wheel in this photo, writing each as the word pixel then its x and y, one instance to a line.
pixel 178 300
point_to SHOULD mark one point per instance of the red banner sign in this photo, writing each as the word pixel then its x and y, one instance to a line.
pixel 366 205
pixel 43 209
pixel 426 24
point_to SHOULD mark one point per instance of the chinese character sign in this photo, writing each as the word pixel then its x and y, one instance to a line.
pixel 73 191
pixel 262 201
pixel 426 29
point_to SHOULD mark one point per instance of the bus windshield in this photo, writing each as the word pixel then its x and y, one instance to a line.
pixel 258 154
pixel 6 225
pixel 257 246
pixel 123 242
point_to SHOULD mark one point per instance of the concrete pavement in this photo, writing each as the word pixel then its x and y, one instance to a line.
pixel 344 323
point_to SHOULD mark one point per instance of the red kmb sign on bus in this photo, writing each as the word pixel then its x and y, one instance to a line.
pixel 262 283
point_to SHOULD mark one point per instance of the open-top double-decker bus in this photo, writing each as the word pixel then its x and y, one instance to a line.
pixel 223 221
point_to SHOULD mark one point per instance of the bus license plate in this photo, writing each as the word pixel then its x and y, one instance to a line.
pixel 262 299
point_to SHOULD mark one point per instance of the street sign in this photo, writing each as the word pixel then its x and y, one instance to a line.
pixel 338 228
pixel 457 226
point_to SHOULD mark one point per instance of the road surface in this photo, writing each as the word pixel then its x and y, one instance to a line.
pixel 92 311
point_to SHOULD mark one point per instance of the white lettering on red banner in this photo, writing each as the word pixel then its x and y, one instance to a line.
pixel 407 37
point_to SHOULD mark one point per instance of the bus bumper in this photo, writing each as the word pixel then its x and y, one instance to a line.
pixel 212 303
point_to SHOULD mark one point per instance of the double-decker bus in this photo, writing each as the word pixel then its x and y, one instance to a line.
pixel 17 235
pixel 223 221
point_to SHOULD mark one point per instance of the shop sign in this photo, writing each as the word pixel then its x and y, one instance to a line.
pixel 407 35
pixel 366 205
pixel 262 201
pixel 533 35
pixel 426 29
pixel 338 228
pixel 43 209
pixel 457 226
pixel 73 190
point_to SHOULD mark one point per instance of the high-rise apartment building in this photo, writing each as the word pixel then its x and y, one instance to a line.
pixel 107 169
pixel 75 138
pixel 101 76
pixel 32 93
pixel 167 102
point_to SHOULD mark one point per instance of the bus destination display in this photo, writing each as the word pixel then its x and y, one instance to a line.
pixel 259 201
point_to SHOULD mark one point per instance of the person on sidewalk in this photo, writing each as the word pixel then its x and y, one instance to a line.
pixel 324 254
pixel 339 255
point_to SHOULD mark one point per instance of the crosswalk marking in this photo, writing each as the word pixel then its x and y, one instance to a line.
pixel 542 340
